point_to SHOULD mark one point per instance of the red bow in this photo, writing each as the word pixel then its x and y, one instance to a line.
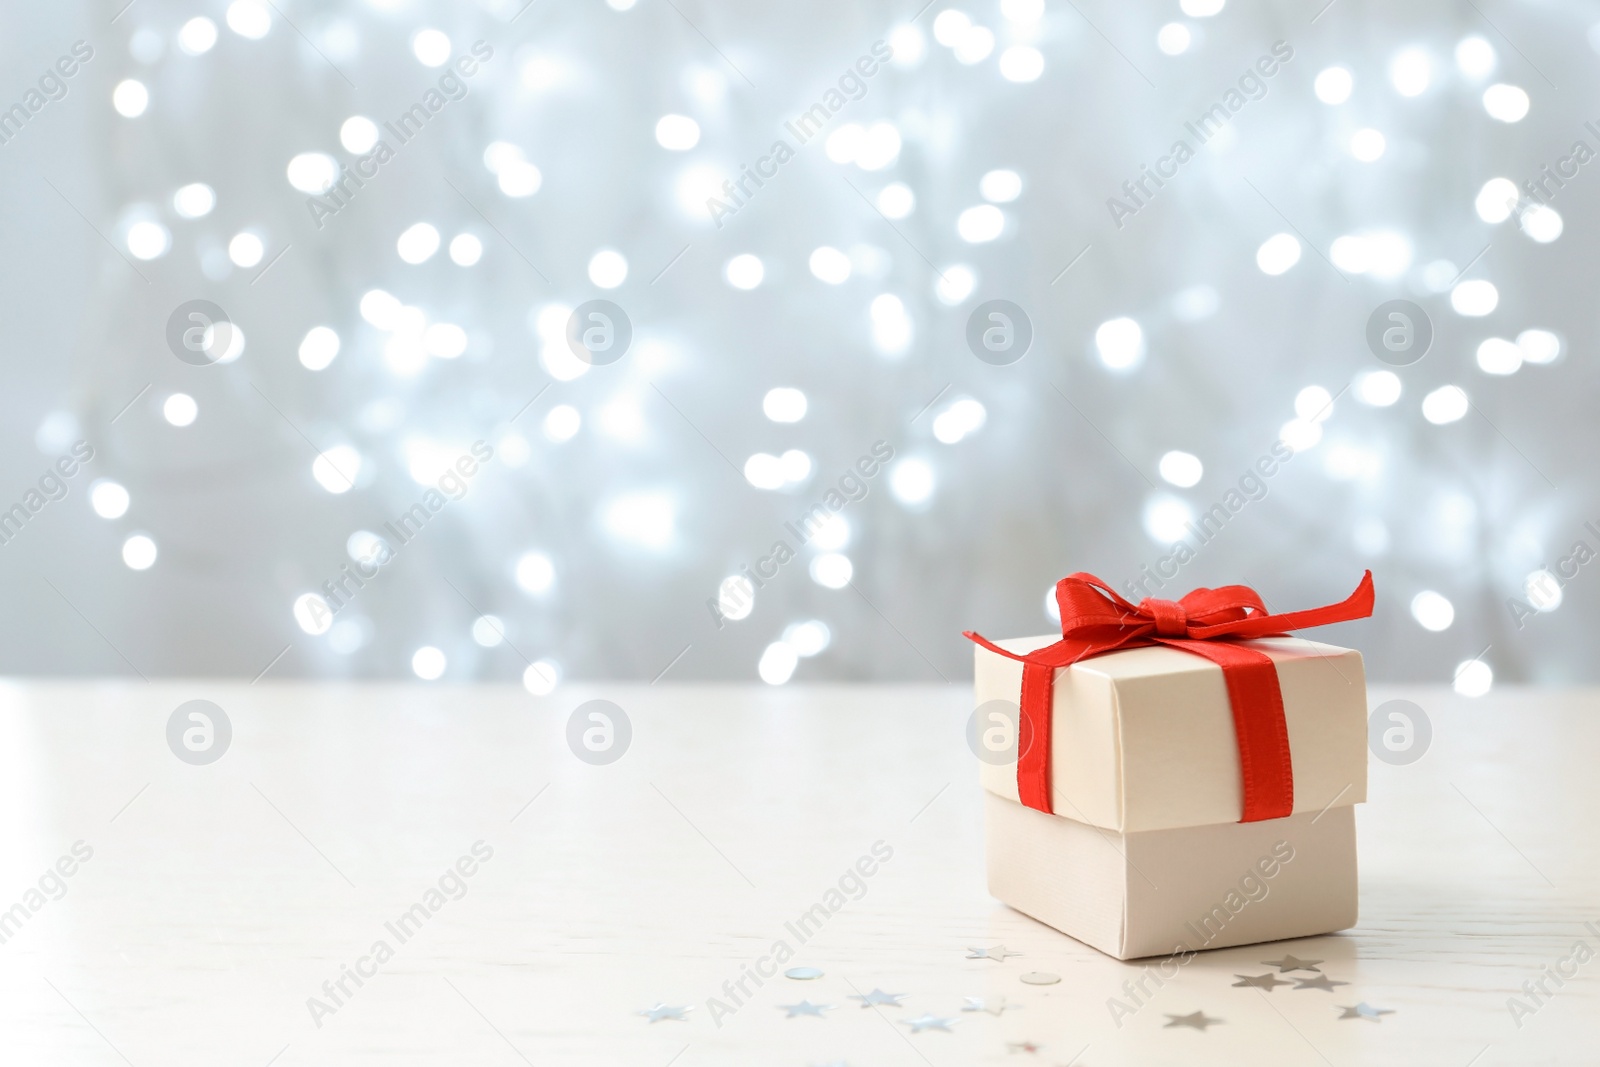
pixel 1095 620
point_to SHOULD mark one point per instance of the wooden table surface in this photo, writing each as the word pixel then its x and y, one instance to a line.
pixel 220 898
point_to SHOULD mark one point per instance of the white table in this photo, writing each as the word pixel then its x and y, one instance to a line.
pixel 219 898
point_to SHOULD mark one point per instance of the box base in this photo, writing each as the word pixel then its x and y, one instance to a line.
pixel 1156 892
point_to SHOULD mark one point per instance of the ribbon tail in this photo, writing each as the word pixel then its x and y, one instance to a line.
pixel 1033 736
pixel 1358 605
pixel 979 639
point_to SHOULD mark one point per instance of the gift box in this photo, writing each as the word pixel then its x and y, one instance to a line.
pixel 1181 775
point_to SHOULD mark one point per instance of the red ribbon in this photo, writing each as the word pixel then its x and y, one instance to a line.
pixel 1206 622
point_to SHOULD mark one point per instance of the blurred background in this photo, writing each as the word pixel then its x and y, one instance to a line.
pixel 278 268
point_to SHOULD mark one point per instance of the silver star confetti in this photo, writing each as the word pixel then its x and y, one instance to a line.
pixel 992 1005
pixel 1268 981
pixel 805 1007
pixel 1321 981
pixel 998 953
pixel 803 974
pixel 877 997
pixel 665 1011
pixel 1198 1020
pixel 929 1022
pixel 1363 1011
pixel 1290 963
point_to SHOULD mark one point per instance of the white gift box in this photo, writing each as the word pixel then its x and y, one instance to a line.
pixel 1143 853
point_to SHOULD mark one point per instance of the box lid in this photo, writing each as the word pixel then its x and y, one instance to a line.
pixel 1143 739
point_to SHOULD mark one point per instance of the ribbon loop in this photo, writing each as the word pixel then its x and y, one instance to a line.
pixel 1205 622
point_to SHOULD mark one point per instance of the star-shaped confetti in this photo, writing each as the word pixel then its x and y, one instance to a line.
pixel 666 1011
pixel 805 1007
pixel 1022 1046
pixel 1199 1020
pixel 992 1005
pixel 1268 981
pixel 929 1022
pixel 998 953
pixel 877 997
pixel 1363 1011
pixel 1291 963
pixel 1321 981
